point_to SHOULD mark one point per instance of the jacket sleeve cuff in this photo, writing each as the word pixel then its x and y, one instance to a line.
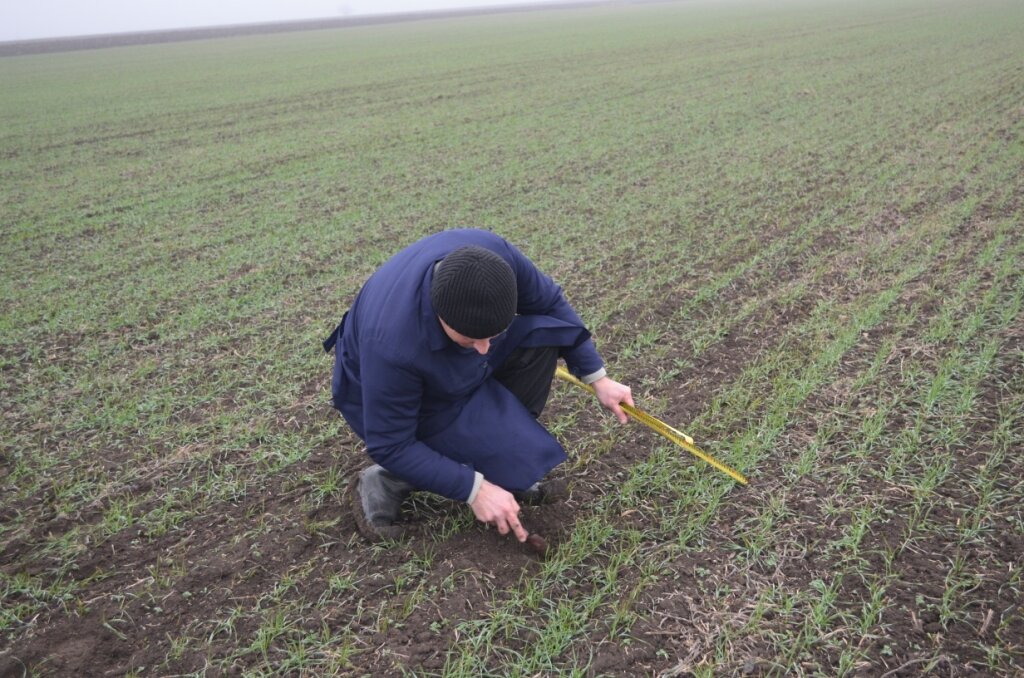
pixel 594 376
pixel 582 359
pixel 478 480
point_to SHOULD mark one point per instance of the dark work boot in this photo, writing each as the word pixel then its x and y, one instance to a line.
pixel 376 498
pixel 544 492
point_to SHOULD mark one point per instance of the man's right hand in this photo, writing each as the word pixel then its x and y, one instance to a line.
pixel 496 506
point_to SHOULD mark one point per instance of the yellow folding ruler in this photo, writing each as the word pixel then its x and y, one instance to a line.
pixel 678 437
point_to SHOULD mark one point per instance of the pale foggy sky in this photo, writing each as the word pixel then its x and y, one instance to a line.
pixel 30 19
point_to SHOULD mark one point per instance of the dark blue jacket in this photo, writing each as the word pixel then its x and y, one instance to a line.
pixel 399 380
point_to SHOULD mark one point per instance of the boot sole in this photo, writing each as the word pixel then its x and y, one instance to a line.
pixel 551 492
pixel 372 532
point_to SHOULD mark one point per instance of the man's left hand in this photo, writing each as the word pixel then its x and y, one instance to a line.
pixel 611 394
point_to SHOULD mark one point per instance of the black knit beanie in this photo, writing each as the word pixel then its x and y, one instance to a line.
pixel 474 292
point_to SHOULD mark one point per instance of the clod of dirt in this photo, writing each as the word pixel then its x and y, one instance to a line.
pixel 537 544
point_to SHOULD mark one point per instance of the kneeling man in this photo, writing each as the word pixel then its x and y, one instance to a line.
pixel 442 366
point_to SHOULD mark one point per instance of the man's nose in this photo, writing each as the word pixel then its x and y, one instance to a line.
pixel 482 346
